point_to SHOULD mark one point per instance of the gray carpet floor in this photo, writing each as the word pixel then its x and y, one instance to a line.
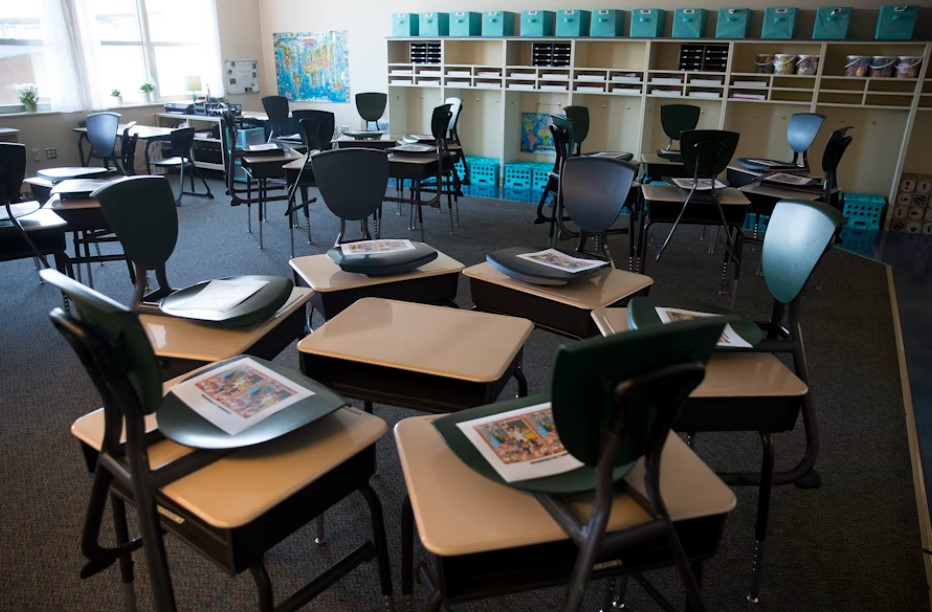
pixel 852 544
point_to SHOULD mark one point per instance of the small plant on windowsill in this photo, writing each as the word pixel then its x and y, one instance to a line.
pixel 28 96
pixel 117 97
pixel 148 90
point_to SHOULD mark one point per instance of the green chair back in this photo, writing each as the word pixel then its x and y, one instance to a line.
pixel 579 117
pixel 121 330
pixel 141 211
pixel 587 374
pixel 370 105
pixel 706 153
pixel 798 235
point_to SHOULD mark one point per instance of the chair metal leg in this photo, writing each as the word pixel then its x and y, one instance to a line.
pixel 407 550
pixel 264 586
pixel 126 561
pixel 614 594
pixel 676 223
pixel 381 543
pixel 320 527
pixel 763 511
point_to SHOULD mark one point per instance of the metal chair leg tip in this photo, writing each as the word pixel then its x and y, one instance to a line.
pixel 320 541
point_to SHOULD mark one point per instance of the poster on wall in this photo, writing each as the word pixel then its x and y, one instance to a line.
pixel 242 77
pixel 535 133
pixel 312 66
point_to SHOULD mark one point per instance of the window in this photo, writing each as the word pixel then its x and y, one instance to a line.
pixel 22 56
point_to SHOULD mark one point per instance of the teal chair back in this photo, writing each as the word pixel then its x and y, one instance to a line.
pixel 798 235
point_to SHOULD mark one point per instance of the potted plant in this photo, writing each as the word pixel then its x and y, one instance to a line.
pixel 117 97
pixel 28 96
pixel 148 90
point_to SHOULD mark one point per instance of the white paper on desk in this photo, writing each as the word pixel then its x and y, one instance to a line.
pixel 703 184
pixel 369 247
pixel 269 146
pixel 553 258
pixel 791 179
pixel 520 444
pixel 220 294
pixel 729 337
pixel 239 395
pixel 770 163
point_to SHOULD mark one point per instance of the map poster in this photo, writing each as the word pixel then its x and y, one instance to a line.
pixel 535 133
pixel 312 67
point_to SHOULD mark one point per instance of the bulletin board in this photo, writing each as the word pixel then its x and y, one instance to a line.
pixel 241 76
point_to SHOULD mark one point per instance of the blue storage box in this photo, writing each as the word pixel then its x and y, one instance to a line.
pixel 732 23
pixel 537 23
pixel 434 24
pixel 404 24
pixel 498 23
pixel 831 23
pixel 518 175
pixel 465 23
pixel 572 22
pixel 647 23
pixel 896 22
pixel 688 23
pixel 483 171
pixel 606 22
pixel 779 22
pixel 863 210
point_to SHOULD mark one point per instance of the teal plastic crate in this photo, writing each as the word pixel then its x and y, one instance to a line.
pixel 779 22
pixel 896 22
pixel 249 136
pixel 404 24
pixel 606 22
pixel 863 210
pixel 732 23
pixel 483 171
pixel 688 22
pixel 572 22
pixel 465 23
pixel 434 24
pixel 646 23
pixel 498 23
pixel 541 175
pixel 537 23
pixel 831 23
pixel 518 175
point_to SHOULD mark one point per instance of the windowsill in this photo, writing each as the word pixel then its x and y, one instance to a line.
pixel 159 104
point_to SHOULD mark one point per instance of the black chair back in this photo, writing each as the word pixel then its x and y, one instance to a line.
pixel 594 190
pixel 181 141
pixel 101 133
pixel 371 105
pixel 128 149
pixel 834 150
pixel 579 116
pixel 706 153
pixel 12 171
pixel 352 181
pixel 456 107
pixel 276 107
pixel 321 136
pixel 678 118
pixel 440 121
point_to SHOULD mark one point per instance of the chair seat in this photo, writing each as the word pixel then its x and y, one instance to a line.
pixel 245 484
pixel 172 161
pixel 509 262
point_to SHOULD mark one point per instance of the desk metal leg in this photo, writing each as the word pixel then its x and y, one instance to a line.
pixel 407 553
pixel 763 510
pixel 84 161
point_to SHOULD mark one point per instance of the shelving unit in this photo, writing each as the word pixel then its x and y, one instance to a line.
pixel 624 82
pixel 211 151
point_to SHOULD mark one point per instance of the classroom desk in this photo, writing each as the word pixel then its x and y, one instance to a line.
pixel 182 345
pixel 150 134
pixel 562 309
pixel 84 215
pixel 489 538
pixel 46 230
pixel 741 391
pixel 417 356
pixel 654 167
pixel 262 168
pixel 9 134
pixel 334 290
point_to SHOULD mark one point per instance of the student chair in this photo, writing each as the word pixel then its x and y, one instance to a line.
pixel 675 119
pixel 453 137
pixel 181 140
pixel 579 117
pixel 801 130
pixel 447 180
pixel 352 183
pixel 128 149
pixel 834 150
pixel 321 137
pixel 638 501
pixel 371 106
pixel 101 133
pixel 281 126
pixel 561 130
pixel 231 504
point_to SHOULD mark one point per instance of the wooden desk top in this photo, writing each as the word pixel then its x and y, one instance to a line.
pixel 243 485
pixel 459 512
pixel 414 160
pixel 37 220
pixel 728 196
pixel 287 155
pixel 601 289
pixel 772 191
pixel 435 340
pixel 654 159
pixel 179 338
pixel 56 203
pixel 734 374
pixel 322 275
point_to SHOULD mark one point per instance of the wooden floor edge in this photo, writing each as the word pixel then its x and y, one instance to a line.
pixel 912 438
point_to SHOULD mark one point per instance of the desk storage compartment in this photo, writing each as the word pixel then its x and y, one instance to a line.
pixel 896 22
pixel 498 23
pixel 404 24
pixel 465 23
pixel 831 23
pixel 606 22
pixel 434 24
pixel 647 23
pixel 573 22
pixel 732 23
pixel 537 23
pixel 779 22
pixel 688 22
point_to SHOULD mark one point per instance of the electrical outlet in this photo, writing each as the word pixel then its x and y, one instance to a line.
pixel 51 153
pixel 36 155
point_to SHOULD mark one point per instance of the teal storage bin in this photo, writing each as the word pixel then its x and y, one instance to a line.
pixel 465 23
pixel 434 24
pixel 779 22
pixel 646 23
pixel 498 23
pixel 688 23
pixel 831 23
pixel 404 24
pixel 572 22
pixel 896 22
pixel 537 23
pixel 732 23
pixel 606 22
